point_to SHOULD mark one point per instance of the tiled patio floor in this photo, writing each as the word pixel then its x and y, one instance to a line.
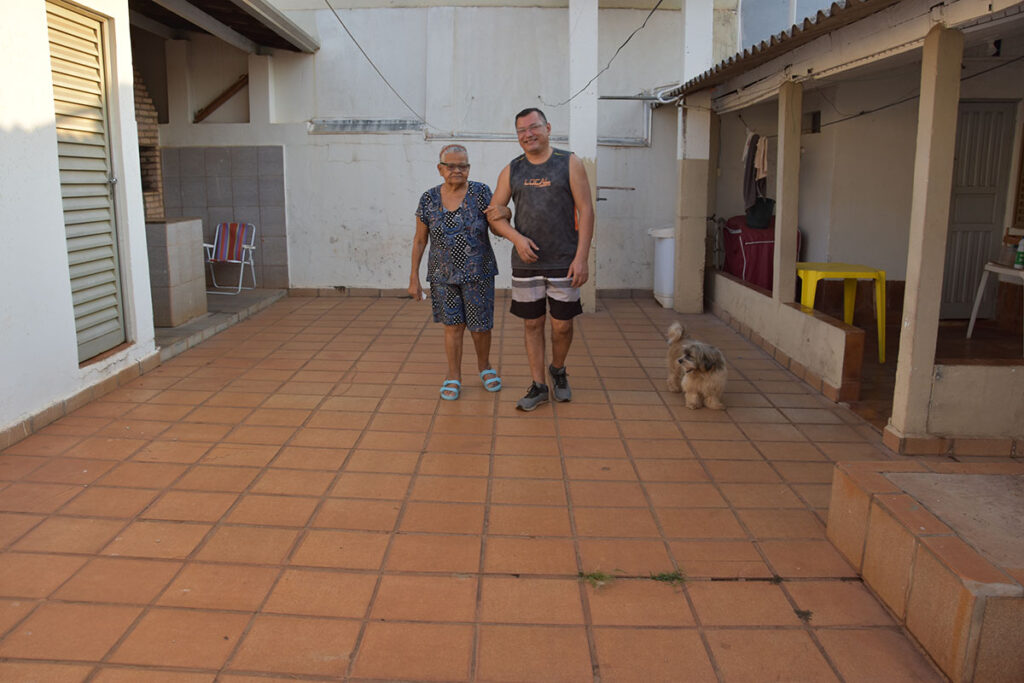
pixel 290 499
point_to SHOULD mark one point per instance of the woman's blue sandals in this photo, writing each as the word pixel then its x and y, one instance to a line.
pixel 491 380
pixel 450 389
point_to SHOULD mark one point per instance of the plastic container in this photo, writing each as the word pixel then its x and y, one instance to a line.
pixel 664 264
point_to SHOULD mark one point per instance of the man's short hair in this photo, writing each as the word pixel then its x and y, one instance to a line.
pixel 527 112
pixel 452 148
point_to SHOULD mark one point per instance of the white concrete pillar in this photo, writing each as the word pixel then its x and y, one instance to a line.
pixel 179 95
pixel 693 154
pixel 787 191
pixel 929 222
pixel 583 116
pixel 261 89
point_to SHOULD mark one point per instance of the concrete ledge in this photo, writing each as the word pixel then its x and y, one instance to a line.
pixel 963 608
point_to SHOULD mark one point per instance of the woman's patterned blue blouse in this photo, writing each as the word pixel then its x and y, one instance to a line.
pixel 460 245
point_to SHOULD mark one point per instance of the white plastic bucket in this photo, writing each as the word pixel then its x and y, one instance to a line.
pixel 664 264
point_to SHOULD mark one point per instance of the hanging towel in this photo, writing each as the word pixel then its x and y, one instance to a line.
pixel 761 160
pixel 750 172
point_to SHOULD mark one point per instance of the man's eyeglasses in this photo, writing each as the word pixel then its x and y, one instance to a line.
pixel 455 167
pixel 529 129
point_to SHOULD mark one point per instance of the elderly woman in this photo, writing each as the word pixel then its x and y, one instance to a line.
pixel 460 267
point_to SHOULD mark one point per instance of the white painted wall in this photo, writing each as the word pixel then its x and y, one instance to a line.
pixel 38 358
pixel 350 198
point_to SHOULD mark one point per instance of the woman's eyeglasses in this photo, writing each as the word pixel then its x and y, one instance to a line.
pixel 455 167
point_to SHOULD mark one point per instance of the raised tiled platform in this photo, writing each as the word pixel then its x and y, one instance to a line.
pixel 953 578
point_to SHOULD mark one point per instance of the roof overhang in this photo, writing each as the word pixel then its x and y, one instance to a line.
pixel 249 25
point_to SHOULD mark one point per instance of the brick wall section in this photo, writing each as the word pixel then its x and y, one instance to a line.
pixel 149 151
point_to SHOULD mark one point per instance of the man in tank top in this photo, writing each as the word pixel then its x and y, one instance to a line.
pixel 554 224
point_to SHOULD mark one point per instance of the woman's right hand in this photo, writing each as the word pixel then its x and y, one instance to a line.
pixel 415 291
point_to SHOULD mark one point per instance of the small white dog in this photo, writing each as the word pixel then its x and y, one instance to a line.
pixel 696 369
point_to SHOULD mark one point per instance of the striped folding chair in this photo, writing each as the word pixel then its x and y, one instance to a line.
pixel 232 243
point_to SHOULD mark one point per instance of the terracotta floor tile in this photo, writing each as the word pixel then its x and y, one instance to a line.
pixel 815 495
pixel 450 518
pixel 806 472
pixel 214 478
pixel 772 432
pixel 626 557
pixel 522 520
pixel 545 446
pixel 816 432
pixel 192 431
pixel 806 559
pixel 529 467
pixel 119 580
pixel 388 462
pixel 838 603
pixel 789 450
pixel 341 549
pixel 513 426
pixel 221 587
pixel 172 451
pixel 530 556
pixel 726 450
pixel 364 515
pixel 459 424
pixel 225 415
pixel 51 673
pixel 440 442
pixel 136 428
pixel 201 639
pixel 325 438
pixel 610 493
pixel 260 434
pixel 662 655
pixel 893 657
pixel 25 575
pixel 151 475
pixel 719 559
pixel 100 501
pixel 75 632
pixel 600 469
pixel 369 485
pixel 73 425
pixel 425 598
pixel 684 495
pixel 278 417
pixel 13 611
pixel 670 470
pixel 190 506
pixel 449 489
pixel 766 524
pixel 248 545
pixel 761 496
pixel 657 449
pixel 69 535
pixel 699 523
pixel 322 593
pixel 336 419
pixel 525 492
pixel 638 602
pixel 14 467
pixel 69 471
pixel 104 448
pixel 130 675
pixel 533 653
pixel 167 540
pixel 43 445
pixel 731 471
pixel 406 406
pixel 530 601
pixel 615 523
pixel 583 447
pixel 272 510
pixel 741 603
pixel 755 656
pixel 429 651
pixel 293 482
pixel 242 455
pixel 398 441
pixel 434 553
pixel 13 526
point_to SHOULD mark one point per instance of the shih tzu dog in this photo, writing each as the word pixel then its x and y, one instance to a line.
pixel 696 369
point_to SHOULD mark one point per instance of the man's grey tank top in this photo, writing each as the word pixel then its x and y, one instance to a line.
pixel 545 211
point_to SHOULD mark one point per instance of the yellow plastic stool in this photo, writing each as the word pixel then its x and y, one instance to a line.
pixel 811 273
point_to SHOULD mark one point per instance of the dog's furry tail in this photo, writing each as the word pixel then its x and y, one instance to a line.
pixel 675 333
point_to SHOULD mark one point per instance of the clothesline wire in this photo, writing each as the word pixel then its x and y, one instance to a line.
pixel 608 65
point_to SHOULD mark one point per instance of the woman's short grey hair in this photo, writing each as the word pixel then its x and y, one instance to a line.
pixel 452 148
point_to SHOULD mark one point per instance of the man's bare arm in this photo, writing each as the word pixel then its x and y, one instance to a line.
pixel 498 214
pixel 579 271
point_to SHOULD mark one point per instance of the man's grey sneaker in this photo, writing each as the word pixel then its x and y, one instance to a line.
pixel 560 379
pixel 535 395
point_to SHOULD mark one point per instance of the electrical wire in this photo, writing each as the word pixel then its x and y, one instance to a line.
pixel 608 65
pixel 382 77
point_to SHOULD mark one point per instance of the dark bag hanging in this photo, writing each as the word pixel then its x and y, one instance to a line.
pixel 760 214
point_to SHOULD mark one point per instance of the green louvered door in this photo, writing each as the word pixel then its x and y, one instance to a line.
pixel 86 177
